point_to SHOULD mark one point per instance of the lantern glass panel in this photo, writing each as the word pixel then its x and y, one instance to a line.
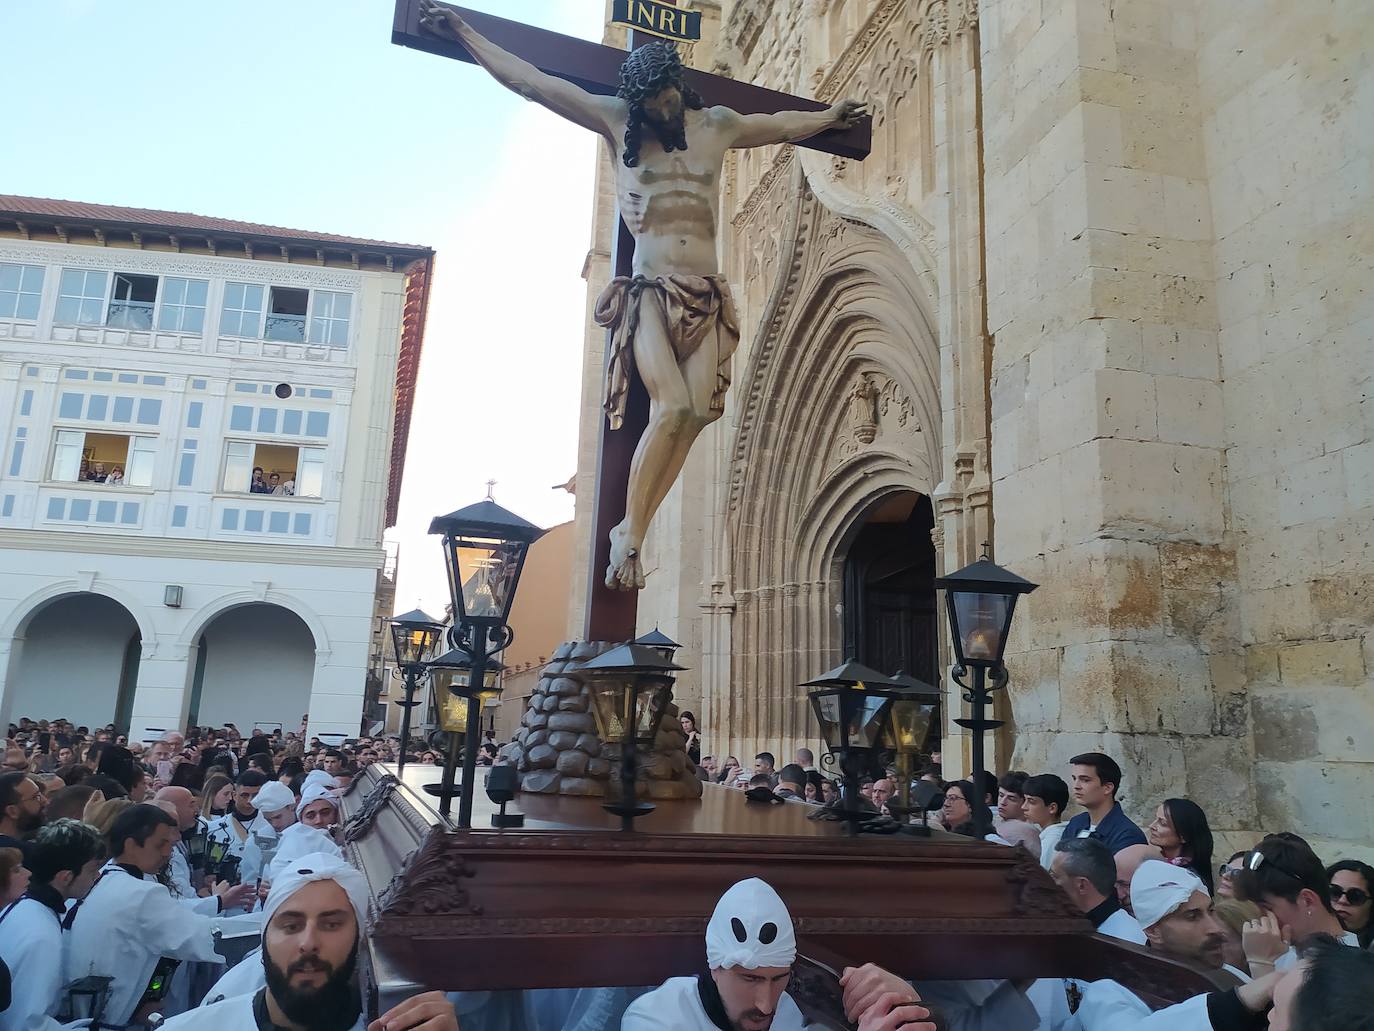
pixel 982 620
pixel 486 572
pixel 613 706
pixel 411 642
pixel 827 706
pixel 649 698
pixel 867 714
pixel 910 722
pixel 453 709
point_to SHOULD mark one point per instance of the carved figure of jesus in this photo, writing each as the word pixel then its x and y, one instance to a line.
pixel 674 319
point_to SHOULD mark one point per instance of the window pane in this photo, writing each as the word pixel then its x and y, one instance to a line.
pixel 66 459
pixel 238 466
pixel 317 424
pixel 81 297
pixel 142 455
pixel 240 418
pixel 310 476
pixel 174 292
pixel 21 288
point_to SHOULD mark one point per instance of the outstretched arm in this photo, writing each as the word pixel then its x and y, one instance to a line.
pixel 558 95
pixel 790 126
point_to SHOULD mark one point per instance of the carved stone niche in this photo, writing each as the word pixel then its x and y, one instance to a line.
pixel 557 750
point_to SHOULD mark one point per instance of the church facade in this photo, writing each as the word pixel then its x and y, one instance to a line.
pixel 1098 298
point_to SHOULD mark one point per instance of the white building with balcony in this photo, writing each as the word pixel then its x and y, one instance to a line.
pixel 202 437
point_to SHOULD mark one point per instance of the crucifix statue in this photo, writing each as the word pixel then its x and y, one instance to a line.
pixel 670 315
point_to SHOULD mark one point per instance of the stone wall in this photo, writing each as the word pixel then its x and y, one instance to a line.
pixel 1108 460
pixel 1286 102
pixel 1181 456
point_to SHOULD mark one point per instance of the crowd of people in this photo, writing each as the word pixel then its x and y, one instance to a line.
pixel 119 862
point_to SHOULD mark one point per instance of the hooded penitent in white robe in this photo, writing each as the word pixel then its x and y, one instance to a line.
pixel 124 926
pixel 750 929
pixel 677 1007
pixel 297 841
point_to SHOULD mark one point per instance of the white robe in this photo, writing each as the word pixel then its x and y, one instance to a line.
pixel 296 841
pixel 244 978
pixel 124 926
pixel 234 1014
pixel 676 1006
pixel 31 946
pixel 1108 1006
pixel 1123 926
pixel 1049 838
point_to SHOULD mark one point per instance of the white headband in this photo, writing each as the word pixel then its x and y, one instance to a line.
pixel 274 797
pixel 317 866
pixel 1158 888
pixel 750 928
pixel 316 793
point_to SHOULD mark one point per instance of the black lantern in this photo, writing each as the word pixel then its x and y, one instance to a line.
pixel 413 636
pixel 914 703
pixel 981 599
pixel 86 997
pixel 660 642
pixel 484 552
pixel 459 695
pixel 630 687
pixel 852 704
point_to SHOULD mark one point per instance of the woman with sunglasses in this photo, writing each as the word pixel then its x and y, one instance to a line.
pixel 1352 896
pixel 1226 888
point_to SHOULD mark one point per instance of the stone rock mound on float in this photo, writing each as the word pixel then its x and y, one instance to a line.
pixel 557 750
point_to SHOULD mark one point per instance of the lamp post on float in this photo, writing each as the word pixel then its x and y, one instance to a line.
pixel 484 552
pixel 413 636
pixel 981 600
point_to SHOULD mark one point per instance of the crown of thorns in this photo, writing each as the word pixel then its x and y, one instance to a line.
pixel 648 70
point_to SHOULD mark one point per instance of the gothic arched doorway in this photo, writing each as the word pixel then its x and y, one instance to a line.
pixel 891 621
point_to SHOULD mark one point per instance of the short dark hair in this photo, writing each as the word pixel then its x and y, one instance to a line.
pixel 1108 772
pixel 1088 857
pixel 1280 867
pixel 63 845
pixel 137 823
pixel 1050 789
pixel 1014 781
pixel 117 762
pixel 333 753
pixel 9 788
pixel 1337 990
pixel 251 779
pixel 767 757
pixel 107 786
pixel 760 780
pixel 792 774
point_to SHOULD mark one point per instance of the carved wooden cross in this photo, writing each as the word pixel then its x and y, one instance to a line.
pixel 610 615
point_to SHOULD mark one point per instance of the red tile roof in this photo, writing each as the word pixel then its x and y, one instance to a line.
pixel 418 279
pixel 46 208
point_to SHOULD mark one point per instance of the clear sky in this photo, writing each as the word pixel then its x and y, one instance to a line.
pixel 302 113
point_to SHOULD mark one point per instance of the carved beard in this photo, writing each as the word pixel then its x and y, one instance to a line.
pixel 334 1006
pixel 672 134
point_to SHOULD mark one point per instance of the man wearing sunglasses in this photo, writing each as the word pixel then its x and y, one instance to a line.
pixel 1284 877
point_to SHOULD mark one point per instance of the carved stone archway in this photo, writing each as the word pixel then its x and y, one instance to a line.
pixel 840 409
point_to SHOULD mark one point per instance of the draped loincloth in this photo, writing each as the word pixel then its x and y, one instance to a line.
pixel 700 312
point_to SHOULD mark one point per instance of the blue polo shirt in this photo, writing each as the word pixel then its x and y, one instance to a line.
pixel 1116 830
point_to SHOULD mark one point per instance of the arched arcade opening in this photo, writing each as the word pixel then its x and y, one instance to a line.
pixel 76 657
pixel 253 666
